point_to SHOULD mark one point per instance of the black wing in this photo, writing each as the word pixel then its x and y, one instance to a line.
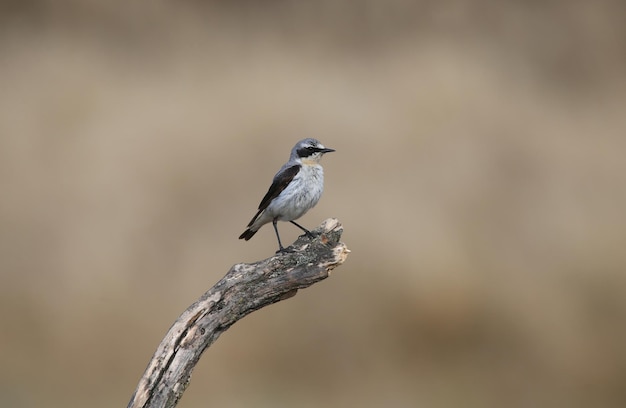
pixel 280 182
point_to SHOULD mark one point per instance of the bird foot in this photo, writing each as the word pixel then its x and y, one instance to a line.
pixel 287 250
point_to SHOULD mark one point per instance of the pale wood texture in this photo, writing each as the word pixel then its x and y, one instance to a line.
pixel 244 289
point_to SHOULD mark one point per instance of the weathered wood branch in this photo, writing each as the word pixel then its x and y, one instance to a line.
pixel 244 289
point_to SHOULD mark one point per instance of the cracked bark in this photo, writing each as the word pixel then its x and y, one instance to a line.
pixel 244 289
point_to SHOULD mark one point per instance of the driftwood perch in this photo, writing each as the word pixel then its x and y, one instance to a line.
pixel 244 289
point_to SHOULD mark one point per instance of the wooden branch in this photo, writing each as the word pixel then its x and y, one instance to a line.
pixel 244 289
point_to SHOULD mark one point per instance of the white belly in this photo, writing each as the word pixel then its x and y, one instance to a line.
pixel 300 196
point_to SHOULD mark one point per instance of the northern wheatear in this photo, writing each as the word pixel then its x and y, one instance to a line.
pixel 296 188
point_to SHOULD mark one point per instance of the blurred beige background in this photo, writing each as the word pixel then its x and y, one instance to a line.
pixel 479 175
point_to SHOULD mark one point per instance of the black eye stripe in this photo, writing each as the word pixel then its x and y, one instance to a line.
pixel 307 151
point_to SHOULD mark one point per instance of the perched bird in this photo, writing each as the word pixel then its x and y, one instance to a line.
pixel 296 188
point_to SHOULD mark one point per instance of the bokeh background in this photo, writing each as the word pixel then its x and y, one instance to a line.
pixel 479 174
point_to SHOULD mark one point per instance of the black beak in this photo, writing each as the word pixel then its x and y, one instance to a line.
pixel 325 150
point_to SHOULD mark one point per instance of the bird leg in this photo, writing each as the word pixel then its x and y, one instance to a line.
pixel 280 245
pixel 306 231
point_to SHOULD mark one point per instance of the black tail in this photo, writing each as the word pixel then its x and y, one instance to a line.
pixel 247 234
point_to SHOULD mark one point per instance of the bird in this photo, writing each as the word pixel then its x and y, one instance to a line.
pixel 295 189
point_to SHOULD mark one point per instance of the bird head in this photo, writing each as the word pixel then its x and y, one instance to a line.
pixel 309 150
